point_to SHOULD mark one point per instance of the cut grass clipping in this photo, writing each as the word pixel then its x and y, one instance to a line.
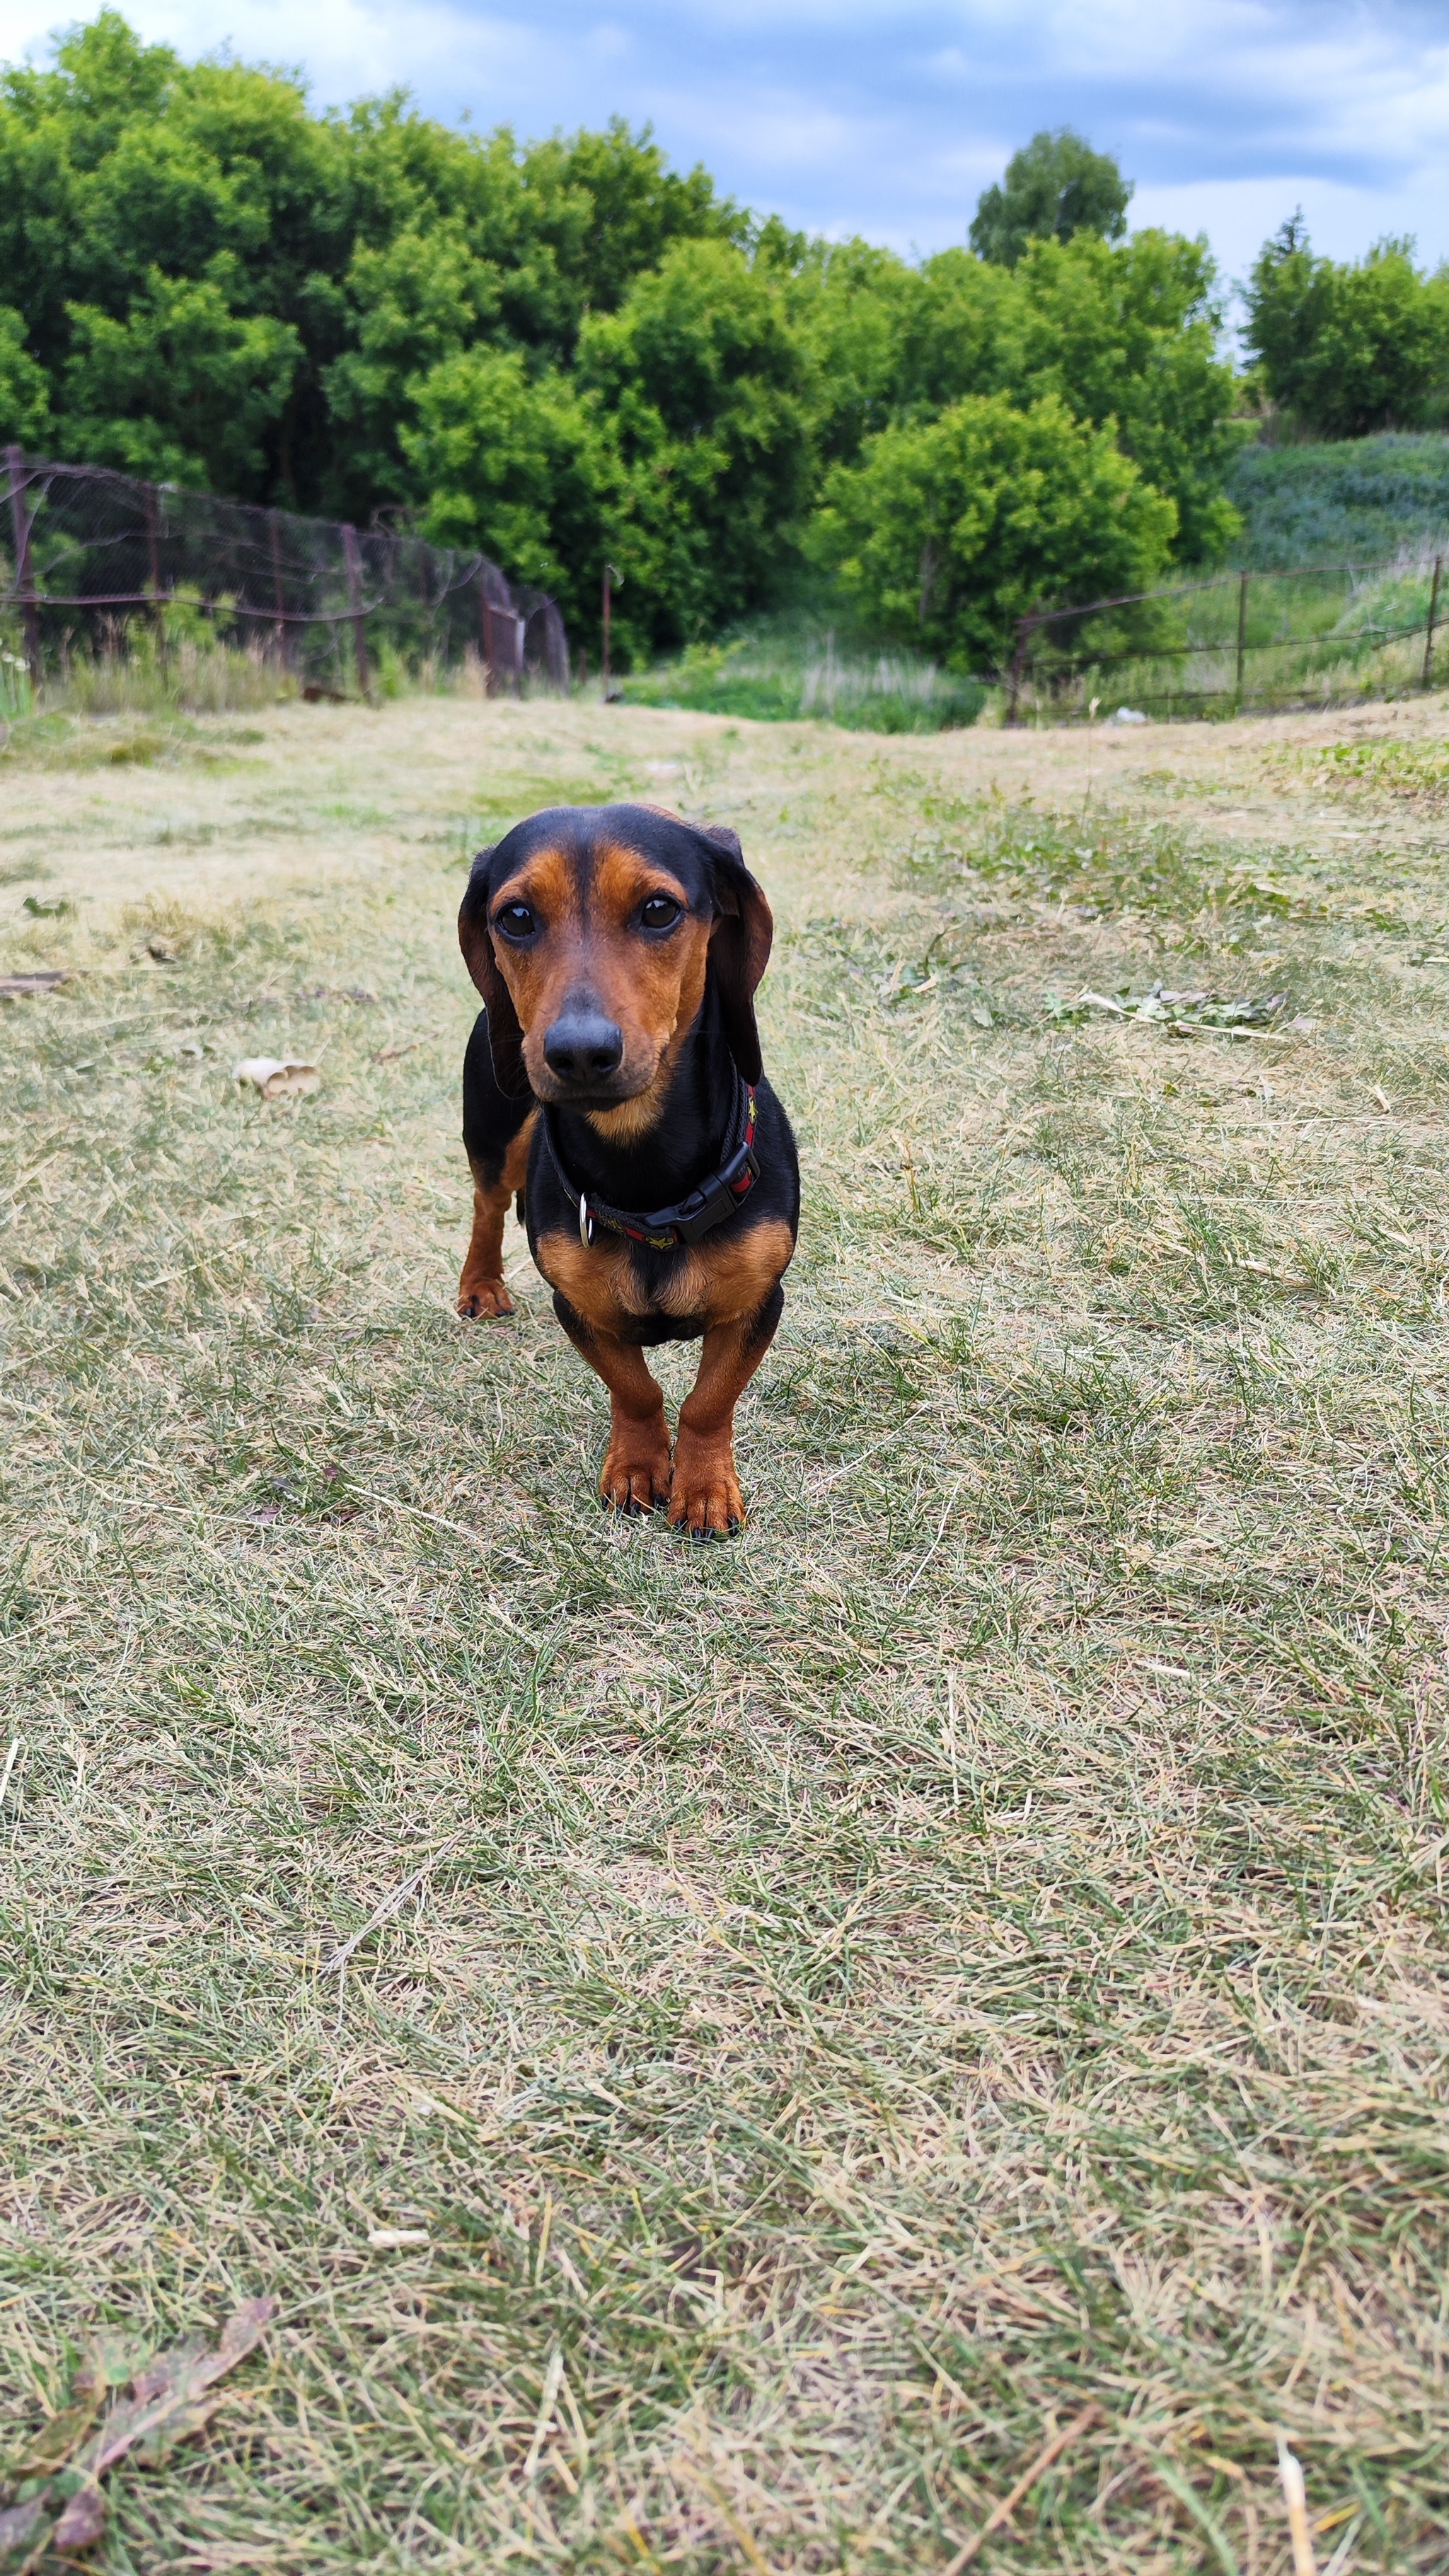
pixel 910 2041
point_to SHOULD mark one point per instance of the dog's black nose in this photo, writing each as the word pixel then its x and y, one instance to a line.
pixel 582 1045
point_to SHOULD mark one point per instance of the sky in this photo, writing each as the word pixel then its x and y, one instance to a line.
pixel 888 117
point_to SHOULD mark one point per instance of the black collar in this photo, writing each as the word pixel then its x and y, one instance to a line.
pixel 698 1212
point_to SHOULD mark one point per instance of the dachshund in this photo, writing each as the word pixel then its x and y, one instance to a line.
pixel 612 1087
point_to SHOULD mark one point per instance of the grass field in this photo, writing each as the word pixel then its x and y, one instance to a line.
pixel 1348 500
pixel 967 1952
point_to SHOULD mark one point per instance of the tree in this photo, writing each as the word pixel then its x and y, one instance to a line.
pixel 420 303
pixel 850 306
pixel 1346 348
pixel 380 242
pixel 184 389
pixel 698 388
pixel 1055 186
pixel 561 351
pixel 1129 336
pixel 514 467
pixel 635 207
pixel 1123 335
pixel 24 395
pixel 947 532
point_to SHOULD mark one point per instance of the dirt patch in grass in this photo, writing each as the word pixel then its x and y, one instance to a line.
pixel 970 1948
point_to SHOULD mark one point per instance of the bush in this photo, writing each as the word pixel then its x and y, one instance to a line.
pixel 946 534
pixel 1348 347
pixel 1125 337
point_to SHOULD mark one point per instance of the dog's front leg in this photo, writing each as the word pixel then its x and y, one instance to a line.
pixel 495 1184
pixel 636 1464
pixel 481 1290
pixel 706 1495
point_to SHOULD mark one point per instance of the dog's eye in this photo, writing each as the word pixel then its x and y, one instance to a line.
pixel 659 912
pixel 516 921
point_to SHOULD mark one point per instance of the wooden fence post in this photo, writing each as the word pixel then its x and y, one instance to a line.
pixel 485 632
pixel 613 579
pixel 1242 638
pixel 353 553
pixel 24 572
pixel 1429 629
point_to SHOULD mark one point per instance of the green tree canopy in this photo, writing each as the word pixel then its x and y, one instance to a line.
pixel 333 259
pixel 701 385
pixel 1054 187
pixel 947 532
pixel 1348 347
pixel 1125 333
pixel 511 464
pixel 566 352
pixel 24 393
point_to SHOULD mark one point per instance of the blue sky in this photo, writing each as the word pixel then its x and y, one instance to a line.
pixel 888 117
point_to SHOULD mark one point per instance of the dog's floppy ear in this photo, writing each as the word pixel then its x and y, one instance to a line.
pixel 505 1037
pixel 739 947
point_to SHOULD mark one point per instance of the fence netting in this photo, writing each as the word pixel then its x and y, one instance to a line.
pixel 91 552
pixel 1322 635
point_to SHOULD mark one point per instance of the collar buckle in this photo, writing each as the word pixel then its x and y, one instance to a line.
pixel 721 1194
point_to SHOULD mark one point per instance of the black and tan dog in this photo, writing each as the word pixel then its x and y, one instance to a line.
pixel 614 1078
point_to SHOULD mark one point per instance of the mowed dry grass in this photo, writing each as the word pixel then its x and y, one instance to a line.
pixel 971 1948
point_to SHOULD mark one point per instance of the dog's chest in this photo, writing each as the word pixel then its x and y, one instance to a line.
pixel 634 1294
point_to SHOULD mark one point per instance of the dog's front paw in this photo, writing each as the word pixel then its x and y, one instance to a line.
pixel 705 1498
pixel 636 1469
pixel 477 1296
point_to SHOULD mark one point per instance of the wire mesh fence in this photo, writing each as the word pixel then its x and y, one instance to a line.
pixel 100 563
pixel 1325 635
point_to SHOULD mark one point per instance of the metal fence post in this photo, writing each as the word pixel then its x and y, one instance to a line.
pixel 1429 629
pixel 274 531
pixel 353 554
pixel 153 548
pixel 1013 677
pixel 1242 637
pixel 24 572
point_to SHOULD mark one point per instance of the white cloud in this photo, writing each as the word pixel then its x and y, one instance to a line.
pixel 888 116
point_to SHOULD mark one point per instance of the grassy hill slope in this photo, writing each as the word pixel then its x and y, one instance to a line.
pixel 1354 500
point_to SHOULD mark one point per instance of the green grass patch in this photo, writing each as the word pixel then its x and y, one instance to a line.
pixel 786 669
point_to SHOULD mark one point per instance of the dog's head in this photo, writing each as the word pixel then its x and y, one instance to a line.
pixel 591 932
